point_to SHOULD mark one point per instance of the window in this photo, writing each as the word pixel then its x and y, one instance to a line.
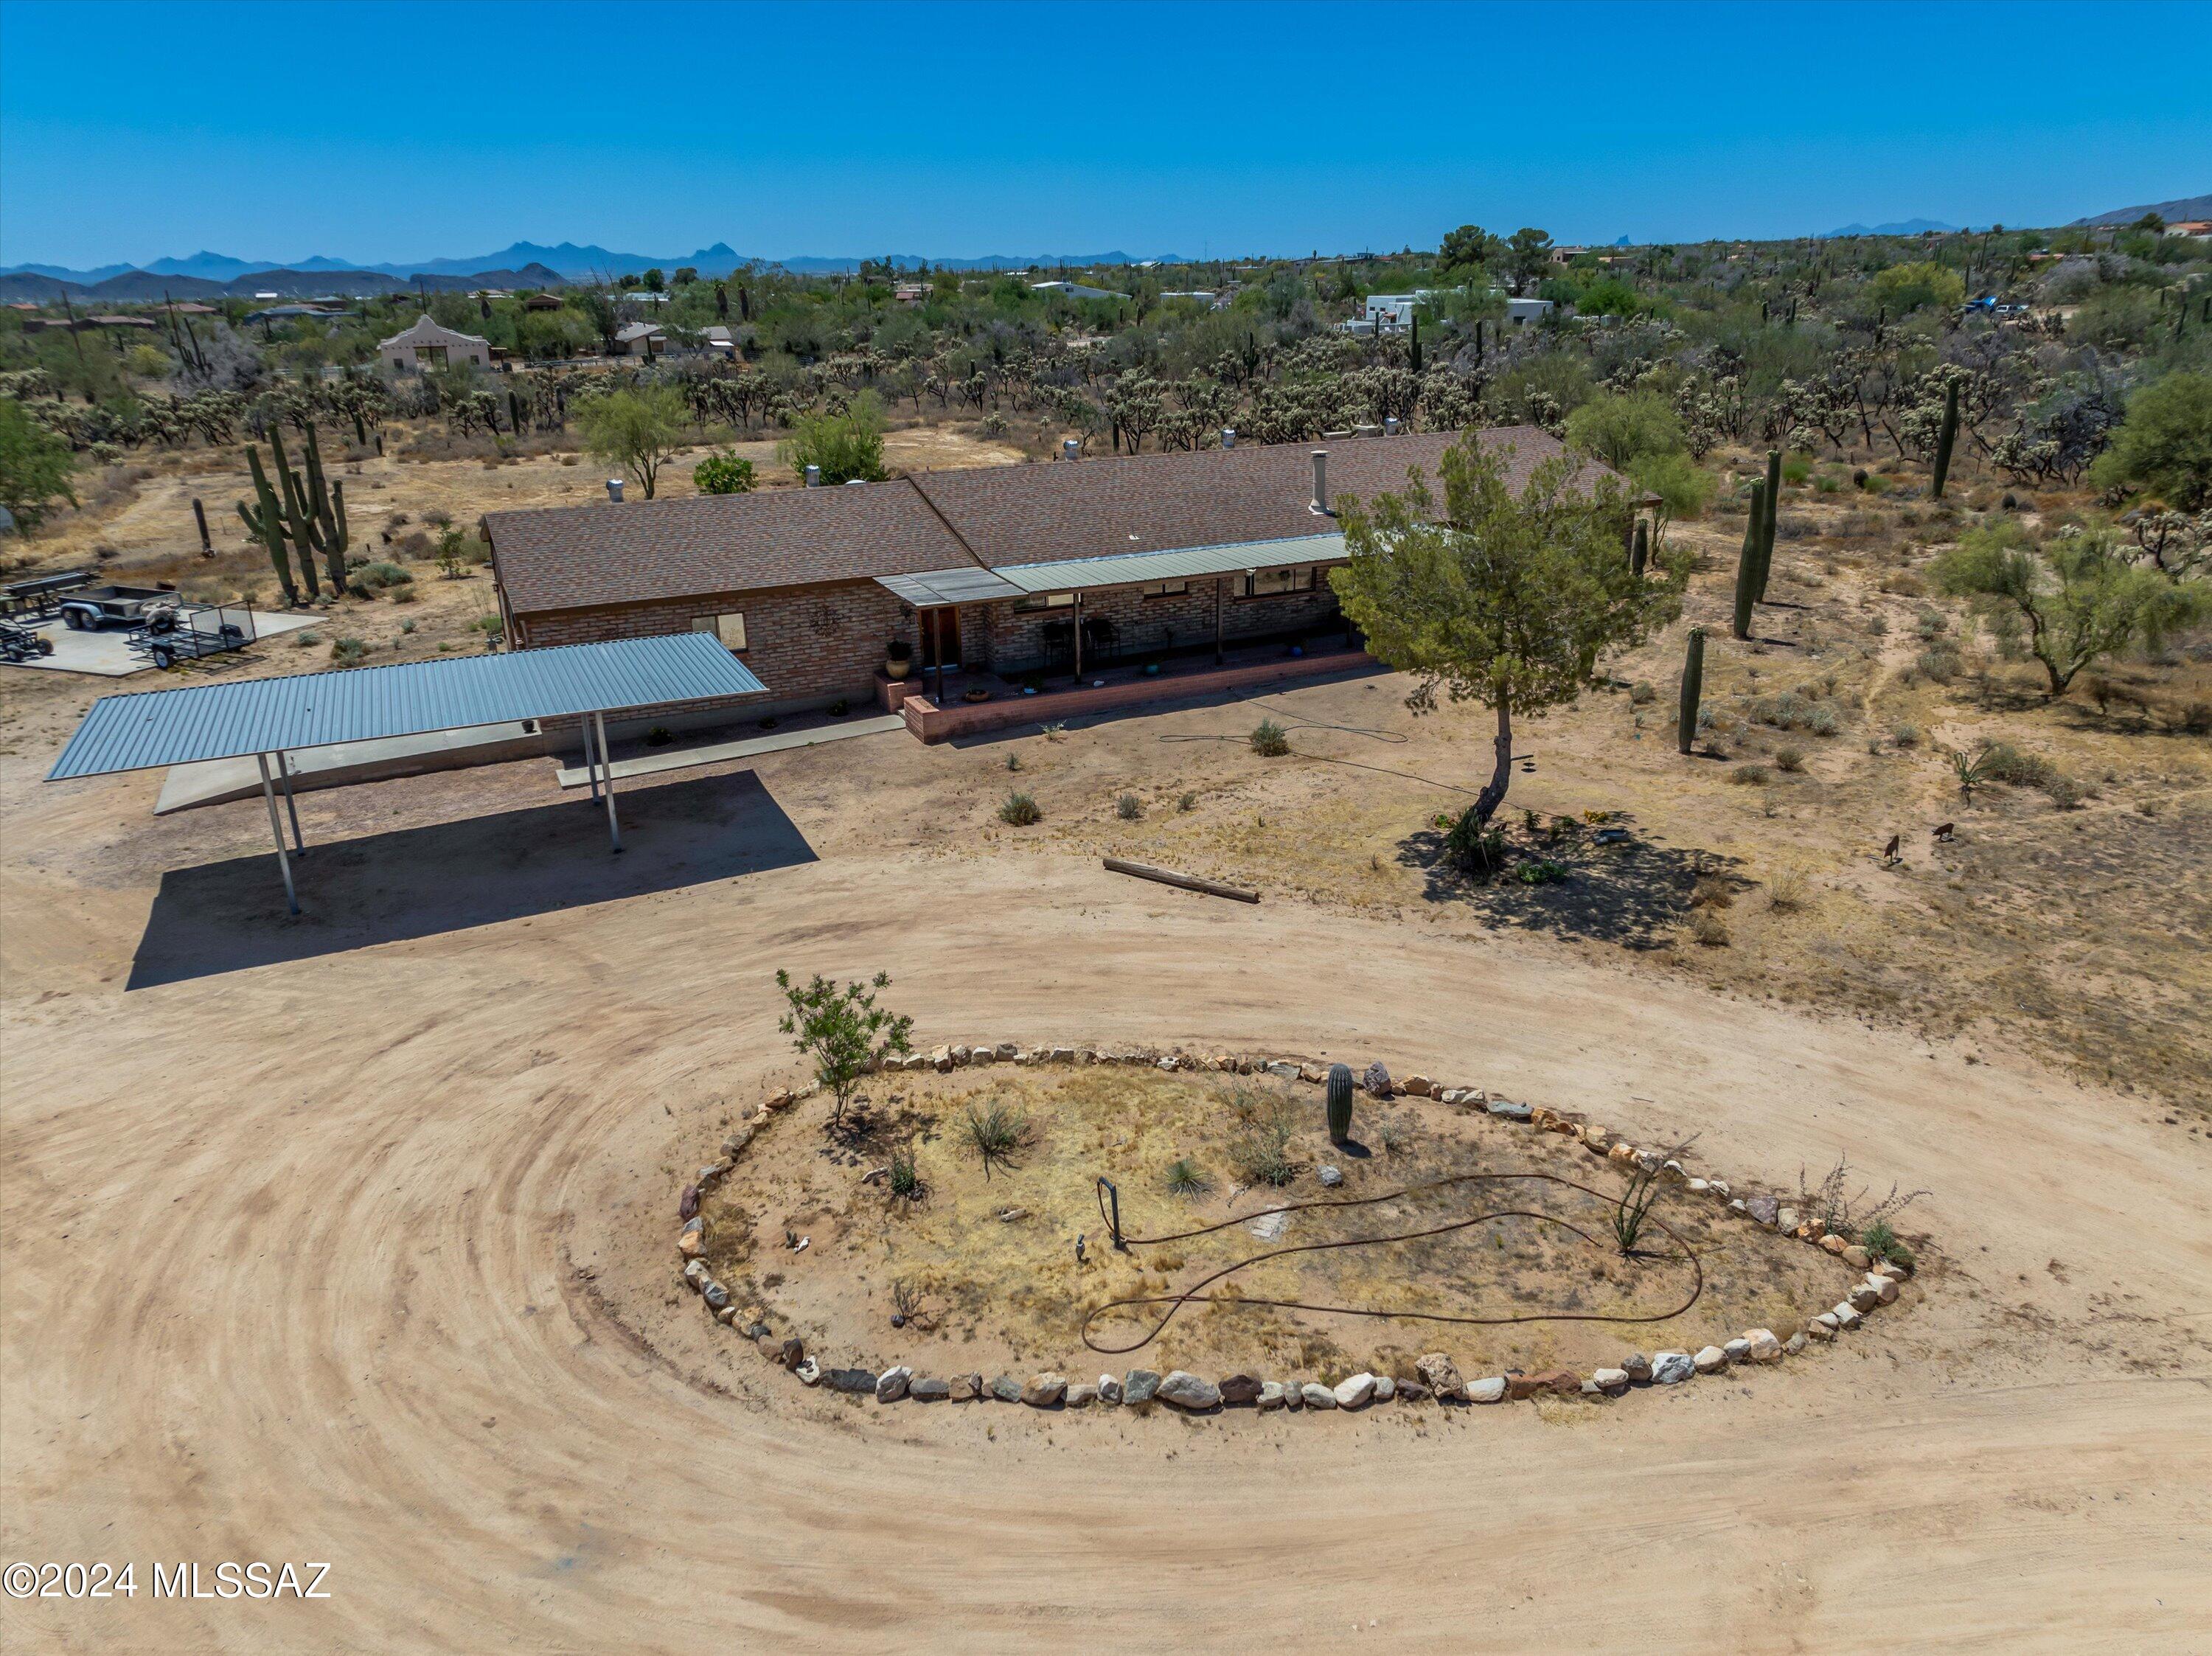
pixel 1165 589
pixel 729 627
pixel 1045 601
pixel 1263 583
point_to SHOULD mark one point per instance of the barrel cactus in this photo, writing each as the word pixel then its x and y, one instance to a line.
pixel 1340 1102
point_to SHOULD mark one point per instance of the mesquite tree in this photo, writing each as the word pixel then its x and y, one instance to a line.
pixel 1507 598
pixel 842 1030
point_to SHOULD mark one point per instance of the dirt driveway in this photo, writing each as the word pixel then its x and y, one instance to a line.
pixel 352 1245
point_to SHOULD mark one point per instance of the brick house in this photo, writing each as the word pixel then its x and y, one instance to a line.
pixel 1019 577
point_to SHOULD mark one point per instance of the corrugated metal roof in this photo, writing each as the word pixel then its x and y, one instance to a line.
pixel 1129 567
pixel 312 710
pixel 937 586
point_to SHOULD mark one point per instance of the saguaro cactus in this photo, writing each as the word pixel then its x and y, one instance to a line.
pixel 1340 1102
pixel 1640 552
pixel 1747 563
pixel 1766 523
pixel 265 523
pixel 1693 689
pixel 1946 435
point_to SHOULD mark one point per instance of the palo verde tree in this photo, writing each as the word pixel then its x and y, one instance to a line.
pixel 2082 597
pixel 1511 599
pixel 842 1029
pixel 637 430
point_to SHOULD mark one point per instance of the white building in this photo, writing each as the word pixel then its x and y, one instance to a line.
pixel 427 345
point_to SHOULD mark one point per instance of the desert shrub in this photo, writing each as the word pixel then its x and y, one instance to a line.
pixel 1823 720
pixel 842 1029
pixel 1019 810
pixel 1268 739
pixel 1186 1177
pixel 905 1177
pixel 1711 892
pixel 1905 734
pixel 1880 1241
pixel 998 1134
pixel 1709 929
pixel 1128 807
pixel 1796 469
pixel 1751 776
pixel 1789 527
pixel 1260 1152
pixel 1186 802
pixel 1790 759
pixel 414 544
pixel 724 472
pixel 1642 693
pixel 1786 890
pixel 1468 847
pixel 1543 872
pixel 1838 1212
pixel 438 517
pixel 1930 623
pixel 1939 663
pixel 349 652
pixel 375 576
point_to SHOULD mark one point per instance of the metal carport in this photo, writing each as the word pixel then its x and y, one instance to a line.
pixel 274 716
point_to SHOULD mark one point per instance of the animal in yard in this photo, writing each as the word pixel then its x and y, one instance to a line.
pixel 1079 1247
pixel 1943 831
pixel 1889 851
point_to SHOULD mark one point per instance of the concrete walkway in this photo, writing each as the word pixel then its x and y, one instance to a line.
pixel 219 781
pixel 652 764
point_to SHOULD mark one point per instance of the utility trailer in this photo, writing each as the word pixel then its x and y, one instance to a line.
pixel 174 633
pixel 96 607
pixel 36 598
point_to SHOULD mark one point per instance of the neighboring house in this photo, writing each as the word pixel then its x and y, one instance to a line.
pixel 910 293
pixel 638 339
pixel 1074 290
pixel 1150 556
pixel 2195 229
pixel 1520 313
pixel 541 302
pixel 647 297
pixel 718 338
pixel 428 345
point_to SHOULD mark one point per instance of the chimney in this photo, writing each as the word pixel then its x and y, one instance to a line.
pixel 1389 425
pixel 614 490
pixel 1069 448
pixel 1229 437
pixel 814 476
pixel 1321 480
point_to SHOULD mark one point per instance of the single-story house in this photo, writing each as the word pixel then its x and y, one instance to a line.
pixel 1026 577
pixel 1074 290
pixel 428 345
pixel 638 339
pixel 541 302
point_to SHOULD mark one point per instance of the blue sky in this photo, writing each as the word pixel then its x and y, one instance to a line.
pixel 396 132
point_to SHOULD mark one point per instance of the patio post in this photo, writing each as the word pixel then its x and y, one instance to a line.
pixel 1079 636
pixel 284 770
pixel 614 827
pixel 283 862
pixel 937 650
pixel 1219 581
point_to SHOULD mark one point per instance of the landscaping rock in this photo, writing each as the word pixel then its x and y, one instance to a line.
pixel 716 1296
pixel 1385 1388
pixel 1377 1081
pixel 1408 1391
pixel 1710 1360
pixel 960 1056
pixel 1109 1389
pixel 1507 1109
pixel 966 1388
pixel 1283 1069
pixel 1439 1373
pixel 851 1379
pixel 790 1351
pixel 1491 1390
pixel 691 1244
pixel 1822 1327
pixel 1793 1346
pixel 1313 1074
pixel 687 1204
pixel 1865 1297
pixel 1044 1391
pixel 929 1390
pixel 1419 1086
pixel 1787 1219
pixel 1240 1388
pixel 1330 1177
pixel 808 1370
pixel 1761 1346
pixel 1187 1391
pixel 1317 1396
pixel 1356 1393
pixel 1082 1395
pixel 982 1052
pixel 941 1058
pixel 1005 1051
pixel 1719 1187
pixel 1007 1389
pixel 1294 1396
pixel 1736 1350
pixel 1638 1367
pixel 1564 1381
pixel 1883 1288
pixel 1696 1186
pixel 1835 1245
pixel 1271 1396
pixel 891 1384
pixel 1269 1226
pixel 1061 1055
pixel 1138 1386
pixel 695 1273
pixel 1621 1152
pixel 1611 1382
pixel 1672 1368
pixel 1847 1318
pixel 1765 1210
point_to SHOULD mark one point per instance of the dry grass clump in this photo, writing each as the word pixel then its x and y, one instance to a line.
pixel 1710 929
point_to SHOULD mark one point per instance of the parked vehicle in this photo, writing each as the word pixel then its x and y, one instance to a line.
pixel 109 606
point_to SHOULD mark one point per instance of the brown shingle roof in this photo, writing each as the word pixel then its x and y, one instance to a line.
pixel 577 557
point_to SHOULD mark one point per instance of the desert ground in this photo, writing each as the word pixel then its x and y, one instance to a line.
pixel 349 1239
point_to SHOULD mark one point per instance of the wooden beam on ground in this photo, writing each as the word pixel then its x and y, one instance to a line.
pixel 1187 882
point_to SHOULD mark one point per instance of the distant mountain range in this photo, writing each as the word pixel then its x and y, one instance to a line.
pixel 2189 207
pixel 1902 227
pixel 525 264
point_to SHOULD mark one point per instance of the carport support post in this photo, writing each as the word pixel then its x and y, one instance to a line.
pixel 1219 581
pixel 937 650
pixel 614 827
pixel 291 806
pixel 1079 636
pixel 283 862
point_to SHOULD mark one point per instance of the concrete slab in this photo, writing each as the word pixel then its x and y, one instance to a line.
pixel 652 764
pixel 219 781
pixel 107 654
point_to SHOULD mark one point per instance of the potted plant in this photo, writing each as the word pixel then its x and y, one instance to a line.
pixel 898 659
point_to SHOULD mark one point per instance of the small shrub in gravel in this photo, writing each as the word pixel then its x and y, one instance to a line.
pixel 1019 810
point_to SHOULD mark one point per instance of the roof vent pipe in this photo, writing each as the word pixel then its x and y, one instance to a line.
pixel 1321 480
pixel 1069 448
pixel 614 490
pixel 1229 437
pixel 814 476
pixel 1389 425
